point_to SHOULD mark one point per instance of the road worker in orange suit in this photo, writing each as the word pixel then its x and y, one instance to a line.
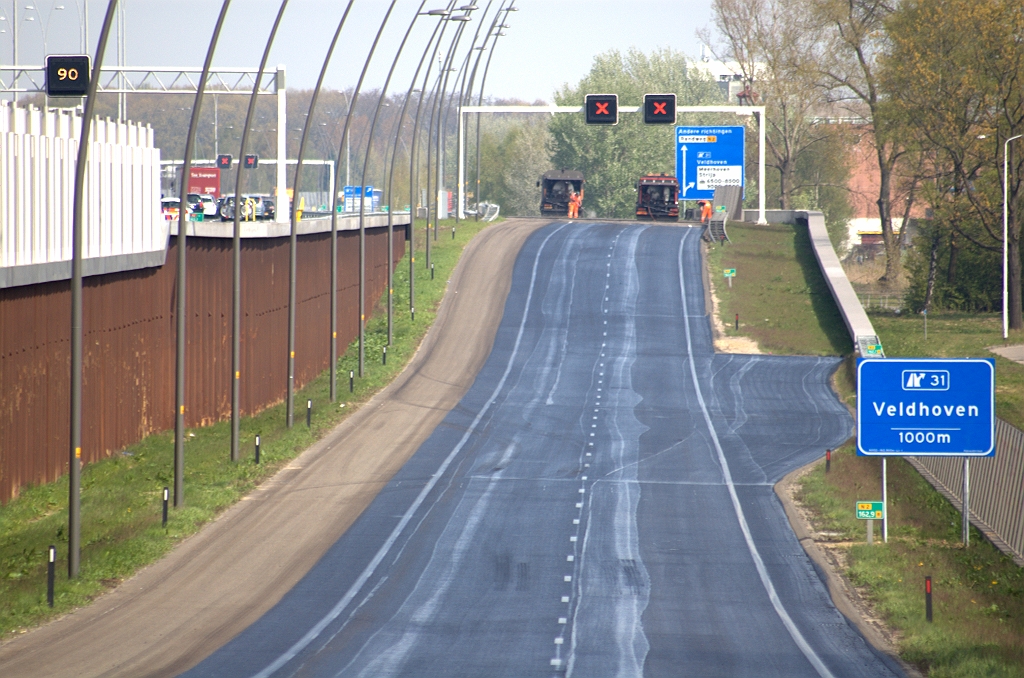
pixel 574 205
pixel 705 212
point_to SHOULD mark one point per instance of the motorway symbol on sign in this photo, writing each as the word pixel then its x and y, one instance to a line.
pixel 708 157
pixel 919 407
pixel 870 510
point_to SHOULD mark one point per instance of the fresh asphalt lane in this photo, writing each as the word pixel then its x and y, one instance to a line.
pixel 600 502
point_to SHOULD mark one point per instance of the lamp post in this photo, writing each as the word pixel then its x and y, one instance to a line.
pixel 480 98
pixel 1006 221
pixel 293 236
pixel 236 246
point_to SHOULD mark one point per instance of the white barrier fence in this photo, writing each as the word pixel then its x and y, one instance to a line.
pixel 121 213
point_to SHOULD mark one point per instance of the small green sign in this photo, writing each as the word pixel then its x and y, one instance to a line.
pixel 870 510
pixel 195 216
pixel 874 349
pixel 729 272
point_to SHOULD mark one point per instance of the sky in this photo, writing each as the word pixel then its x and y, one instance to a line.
pixel 548 43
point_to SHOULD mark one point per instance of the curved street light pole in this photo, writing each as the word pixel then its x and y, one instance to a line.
pixel 412 186
pixel 293 235
pixel 414 149
pixel 236 246
pixel 75 458
pixel 435 111
pixel 334 217
pixel 179 387
pixel 480 98
pixel 439 138
pixel 366 163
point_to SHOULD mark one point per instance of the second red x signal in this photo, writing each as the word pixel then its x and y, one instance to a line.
pixel 660 109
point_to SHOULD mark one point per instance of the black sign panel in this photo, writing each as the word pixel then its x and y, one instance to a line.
pixel 602 109
pixel 252 161
pixel 67 76
pixel 660 109
pixel 224 161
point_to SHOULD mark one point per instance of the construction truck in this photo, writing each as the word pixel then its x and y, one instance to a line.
pixel 555 188
pixel 657 197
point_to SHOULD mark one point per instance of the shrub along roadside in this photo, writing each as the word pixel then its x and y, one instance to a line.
pixel 122 495
pixel 978 592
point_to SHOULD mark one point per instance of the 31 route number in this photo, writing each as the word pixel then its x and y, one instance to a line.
pixel 67 76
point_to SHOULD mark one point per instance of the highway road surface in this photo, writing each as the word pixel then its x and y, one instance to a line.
pixel 599 503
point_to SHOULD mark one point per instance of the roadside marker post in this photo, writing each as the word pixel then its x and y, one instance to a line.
pixel 51 573
pixel 309 414
pixel 928 598
pixel 257 449
pixel 828 460
pixel 869 511
pixel 384 356
pixel 351 381
pixel 167 493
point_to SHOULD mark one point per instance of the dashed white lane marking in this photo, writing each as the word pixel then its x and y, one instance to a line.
pixel 570 558
pixel 575 521
pixel 579 504
pixel 573 538
pixel 385 548
pixel 565 599
pixel 582 490
pixel 559 641
pixel 568 577
pixel 584 477
pixel 563 620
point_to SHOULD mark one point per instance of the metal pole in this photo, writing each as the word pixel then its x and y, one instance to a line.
pixel 283 206
pixel 179 385
pixel 366 162
pixel 966 528
pixel 442 115
pixel 480 99
pixel 413 174
pixel 1006 219
pixel 885 499
pixel 293 236
pixel 236 248
pixel 77 228
pixel 362 181
pixel 760 167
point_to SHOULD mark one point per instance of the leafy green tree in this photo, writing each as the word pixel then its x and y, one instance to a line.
pixel 956 69
pixel 613 158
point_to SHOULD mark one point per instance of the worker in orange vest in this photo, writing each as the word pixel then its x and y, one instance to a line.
pixel 574 205
pixel 705 212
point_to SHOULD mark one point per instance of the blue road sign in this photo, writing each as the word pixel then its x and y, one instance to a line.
pixel 917 407
pixel 708 157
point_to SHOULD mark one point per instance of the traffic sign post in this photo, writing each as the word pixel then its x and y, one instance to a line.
pixel 918 407
pixel 869 511
pixel 709 157
pixel 729 274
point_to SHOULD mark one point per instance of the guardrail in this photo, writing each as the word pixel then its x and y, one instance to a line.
pixel 997 483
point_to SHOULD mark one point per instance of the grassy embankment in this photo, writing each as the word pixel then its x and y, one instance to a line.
pixel 978 627
pixel 121 496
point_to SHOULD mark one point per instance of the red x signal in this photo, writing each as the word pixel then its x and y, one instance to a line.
pixel 602 109
pixel 659 109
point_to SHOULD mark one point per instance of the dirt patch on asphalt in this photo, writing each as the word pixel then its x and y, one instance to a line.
pixel 173 614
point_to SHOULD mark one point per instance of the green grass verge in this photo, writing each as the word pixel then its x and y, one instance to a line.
pixel 122 496
pixel 779 293
pixel 978 627
pixel 958 335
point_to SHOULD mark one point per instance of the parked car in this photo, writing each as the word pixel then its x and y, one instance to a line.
pixel 262 206
pixel 210 206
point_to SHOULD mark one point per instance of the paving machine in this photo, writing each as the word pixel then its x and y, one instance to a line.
pixel 657 197
pixel 555 187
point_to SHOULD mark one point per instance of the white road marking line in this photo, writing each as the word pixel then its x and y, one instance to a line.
pixel 762 571
pixel 335 611
pixel 567 578
pixel 565 599
pixel 573 538
pixel 579 505
pixel 570 558
pixel 575 521
pixel 582 490
pixel 584 477
pixel 559 641
pixel 563 620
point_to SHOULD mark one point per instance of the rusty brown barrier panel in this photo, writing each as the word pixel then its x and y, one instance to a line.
pixel 996 488
pixel 128 352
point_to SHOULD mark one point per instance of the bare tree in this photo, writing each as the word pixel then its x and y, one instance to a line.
pixel 850 36
pixel 767 40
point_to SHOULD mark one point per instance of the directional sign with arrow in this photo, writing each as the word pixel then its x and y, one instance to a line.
pixel 708 157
